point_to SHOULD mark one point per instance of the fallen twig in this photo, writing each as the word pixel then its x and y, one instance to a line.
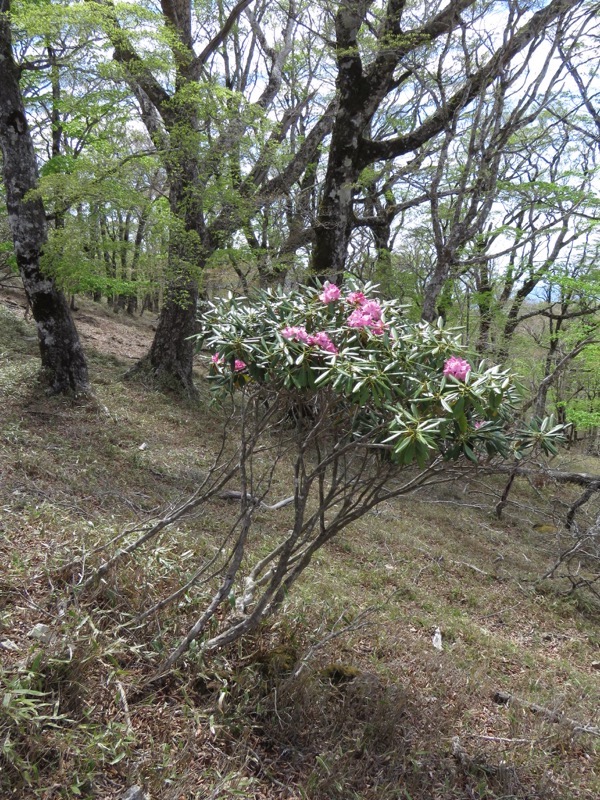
pixel 231 494
pixel 500 739
pixel 553 715
pixel 125 706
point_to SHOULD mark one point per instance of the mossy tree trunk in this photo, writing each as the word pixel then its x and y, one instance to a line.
pixel 61 352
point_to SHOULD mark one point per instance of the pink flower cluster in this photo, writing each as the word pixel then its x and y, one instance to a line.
pixel 367 315
pixel 323 341
pixel 330 293
pixel 218 361
pixel 457 367
pixel 297 333
pixel 356 299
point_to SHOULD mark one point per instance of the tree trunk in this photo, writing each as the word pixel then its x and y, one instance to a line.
pixel 334 224
pixel 170 359
pixel 435 286
pixel 485 303
pixel 384 269
pixel 171 356
pixel 132 299
pixel 335 217
pixel 61 352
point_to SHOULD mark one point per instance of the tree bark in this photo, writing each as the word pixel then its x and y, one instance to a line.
pixel 170 359
pixel 61 352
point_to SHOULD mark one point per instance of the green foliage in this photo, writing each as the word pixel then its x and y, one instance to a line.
pixel 583 409
pixel 391 379
pixel 37 737
pixel 66 260
pixel 25 713
pixel 8 261
pixel 20 706
pixel 58 165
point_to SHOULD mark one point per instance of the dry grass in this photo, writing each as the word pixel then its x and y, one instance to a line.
pixel 374 713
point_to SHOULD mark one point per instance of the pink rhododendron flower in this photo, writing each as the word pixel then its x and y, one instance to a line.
pixel 478 425
pixel 296 333
pixel 357 319
pixel 457 367
pixel 356 299
pixel 330 293
pixel 323 341
pixel 378 328
pixel 216 359
pixel 367 316
pixel 373 309
pixel 239 365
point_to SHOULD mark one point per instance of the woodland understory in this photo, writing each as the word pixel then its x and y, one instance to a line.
pixel 342 694
pixel 299 400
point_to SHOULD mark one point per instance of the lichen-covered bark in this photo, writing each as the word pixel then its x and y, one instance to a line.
pixel 171 355
pixel 172 350
pixel 61 352
pixel 334 224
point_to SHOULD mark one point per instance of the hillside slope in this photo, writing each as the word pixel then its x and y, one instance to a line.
pixel 374 711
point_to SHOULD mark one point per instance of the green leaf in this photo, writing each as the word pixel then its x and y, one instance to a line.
pixel 458 409
pixel 469 453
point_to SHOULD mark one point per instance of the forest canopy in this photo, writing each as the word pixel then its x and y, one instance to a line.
pixel 447 152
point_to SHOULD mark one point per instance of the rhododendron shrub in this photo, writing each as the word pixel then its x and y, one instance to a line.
pixel 409 384
pixel 340 403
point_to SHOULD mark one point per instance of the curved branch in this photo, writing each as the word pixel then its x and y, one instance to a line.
pixel 210 48
pixel 379 151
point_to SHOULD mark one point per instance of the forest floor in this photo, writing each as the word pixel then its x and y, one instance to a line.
pixel 376 712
